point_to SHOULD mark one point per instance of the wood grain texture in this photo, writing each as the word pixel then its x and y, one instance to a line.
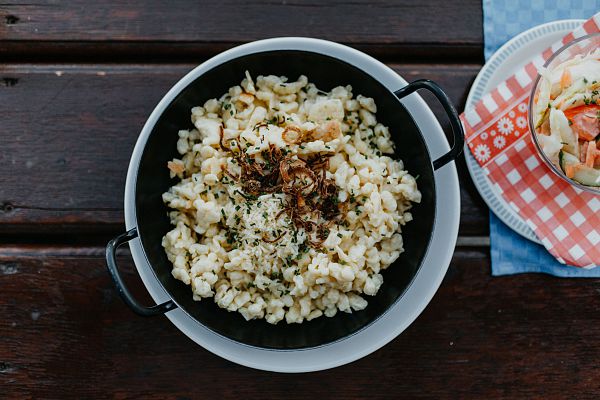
pixel 65 330
pixel 68 131
pixel 184 28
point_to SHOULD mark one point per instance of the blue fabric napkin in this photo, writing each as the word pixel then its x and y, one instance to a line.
pixel 502 20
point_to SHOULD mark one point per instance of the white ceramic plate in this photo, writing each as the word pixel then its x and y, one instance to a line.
pixel 417 295
pixel 508 59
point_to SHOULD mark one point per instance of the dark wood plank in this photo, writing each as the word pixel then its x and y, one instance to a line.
pixel 188 29
pixel 68 131
pixel 63 326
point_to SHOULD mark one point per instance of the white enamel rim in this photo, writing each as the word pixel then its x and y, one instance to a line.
pixel 504 62
pixel 401 314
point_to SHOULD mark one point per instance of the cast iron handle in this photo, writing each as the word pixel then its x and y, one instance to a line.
pixel 457 128
pixel 127 297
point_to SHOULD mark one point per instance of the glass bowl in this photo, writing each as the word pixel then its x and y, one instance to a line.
pixel 580 46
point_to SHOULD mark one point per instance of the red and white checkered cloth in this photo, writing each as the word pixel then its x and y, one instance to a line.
pixel 565 219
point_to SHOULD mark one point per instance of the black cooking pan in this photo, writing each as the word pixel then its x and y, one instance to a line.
pixel 153 179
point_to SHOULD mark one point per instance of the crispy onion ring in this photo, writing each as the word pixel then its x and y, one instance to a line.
pixel 292 134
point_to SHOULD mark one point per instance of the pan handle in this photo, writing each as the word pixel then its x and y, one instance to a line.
pixel 127 297
pixel 457 128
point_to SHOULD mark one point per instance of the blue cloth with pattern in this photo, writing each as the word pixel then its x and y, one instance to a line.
pixel 502 20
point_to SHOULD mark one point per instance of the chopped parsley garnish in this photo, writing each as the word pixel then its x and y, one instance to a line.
pixel 275 276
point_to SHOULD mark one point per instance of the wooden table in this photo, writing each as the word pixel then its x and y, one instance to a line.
pixel 77 81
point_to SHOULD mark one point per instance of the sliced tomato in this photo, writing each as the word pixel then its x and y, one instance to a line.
pixel 591 108
pixel 584 120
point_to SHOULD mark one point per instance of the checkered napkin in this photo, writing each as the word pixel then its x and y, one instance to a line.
pixel 565 219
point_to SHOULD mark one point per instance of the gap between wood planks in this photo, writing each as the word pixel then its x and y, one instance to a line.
pixel 55 250
pixel 177 52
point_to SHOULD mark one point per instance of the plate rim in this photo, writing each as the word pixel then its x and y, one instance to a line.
pixel 484 186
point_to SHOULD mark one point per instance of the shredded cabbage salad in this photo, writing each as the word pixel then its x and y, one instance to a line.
pixel 566 116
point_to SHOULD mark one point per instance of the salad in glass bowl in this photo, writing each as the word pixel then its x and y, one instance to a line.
pixel 564 113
